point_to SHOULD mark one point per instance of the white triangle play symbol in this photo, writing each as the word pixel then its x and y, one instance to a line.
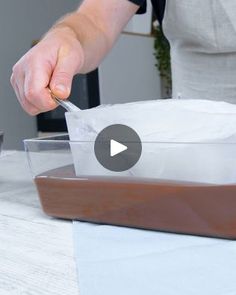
pixel 116 148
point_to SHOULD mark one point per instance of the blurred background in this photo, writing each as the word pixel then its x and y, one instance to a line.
pixel 127 74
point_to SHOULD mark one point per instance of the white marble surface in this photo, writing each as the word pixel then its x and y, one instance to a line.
pixel 36 251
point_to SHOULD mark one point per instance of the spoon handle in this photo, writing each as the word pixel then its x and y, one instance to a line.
pixel 69 106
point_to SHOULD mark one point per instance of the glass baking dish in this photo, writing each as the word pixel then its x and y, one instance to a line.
pixel 176 187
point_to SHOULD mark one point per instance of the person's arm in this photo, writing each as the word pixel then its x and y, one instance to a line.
pixel 75 44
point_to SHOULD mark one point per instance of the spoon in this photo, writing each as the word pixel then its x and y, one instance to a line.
pixel 66 104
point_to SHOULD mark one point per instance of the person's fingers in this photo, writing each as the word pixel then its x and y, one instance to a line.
pixel 50 64
pixel 30 80
pixel 27 106
pixel 65 69
pixel 35 87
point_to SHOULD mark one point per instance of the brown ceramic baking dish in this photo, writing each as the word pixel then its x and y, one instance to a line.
pixel 172 205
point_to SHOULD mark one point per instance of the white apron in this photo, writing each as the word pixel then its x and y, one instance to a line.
pixel 202 35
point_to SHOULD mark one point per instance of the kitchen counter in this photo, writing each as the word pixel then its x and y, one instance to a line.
pixel 36 251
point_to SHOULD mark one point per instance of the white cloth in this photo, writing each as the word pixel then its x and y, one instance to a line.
pixel 117 261
pixel 37 254
pixel 202 36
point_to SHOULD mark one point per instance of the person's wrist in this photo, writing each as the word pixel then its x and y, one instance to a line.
pixel 61 28
pixel 68 23
pixel 67 38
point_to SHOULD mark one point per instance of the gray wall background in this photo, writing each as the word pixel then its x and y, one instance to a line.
pixel 128 73
pixel 22 21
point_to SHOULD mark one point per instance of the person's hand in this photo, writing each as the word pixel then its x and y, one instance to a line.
pixel 52 63
pixel 76 44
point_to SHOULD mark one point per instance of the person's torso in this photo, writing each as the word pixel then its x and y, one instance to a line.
pixel 202 35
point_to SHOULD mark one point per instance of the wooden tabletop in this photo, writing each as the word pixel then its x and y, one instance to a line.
pixel 36 251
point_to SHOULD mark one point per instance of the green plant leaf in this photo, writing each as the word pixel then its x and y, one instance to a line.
pixel 162 55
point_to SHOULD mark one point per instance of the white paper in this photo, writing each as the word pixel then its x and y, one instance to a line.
pixel 115 260
pixel 168 130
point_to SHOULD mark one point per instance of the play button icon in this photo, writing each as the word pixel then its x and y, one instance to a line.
pixel 118 148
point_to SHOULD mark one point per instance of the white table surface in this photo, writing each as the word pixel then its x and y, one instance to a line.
pixel 36 251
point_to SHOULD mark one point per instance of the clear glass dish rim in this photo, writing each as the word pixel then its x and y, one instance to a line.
pixel 52 139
